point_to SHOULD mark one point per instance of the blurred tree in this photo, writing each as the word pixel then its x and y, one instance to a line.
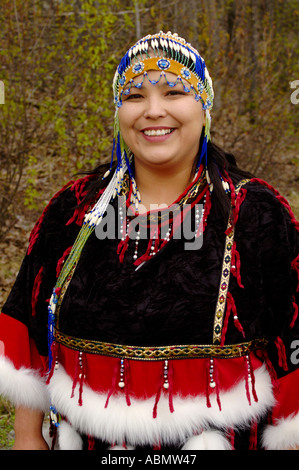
pixel 58 59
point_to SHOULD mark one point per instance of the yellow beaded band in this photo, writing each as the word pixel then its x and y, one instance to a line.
pixel 163 65
pixel 157 353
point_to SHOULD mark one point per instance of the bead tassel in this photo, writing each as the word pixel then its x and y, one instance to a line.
pixel 127 381
pixel 79 375
pixel 166 382
pixel 208 383
pixel 252 379
pixel 231 307
pixel 247 372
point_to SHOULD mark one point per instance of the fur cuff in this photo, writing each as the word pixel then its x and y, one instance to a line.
pixel 136 425
pixel 23 387
pixel 284 435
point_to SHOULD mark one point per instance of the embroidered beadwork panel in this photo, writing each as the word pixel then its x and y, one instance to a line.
pixel 161 352
pixel 225 276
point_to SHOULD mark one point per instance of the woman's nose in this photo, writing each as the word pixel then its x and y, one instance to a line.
pixel 154 108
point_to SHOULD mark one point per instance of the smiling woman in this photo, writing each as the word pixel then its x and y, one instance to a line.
pixel 158 337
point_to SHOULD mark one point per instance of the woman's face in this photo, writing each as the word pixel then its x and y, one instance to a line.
pixel 162 125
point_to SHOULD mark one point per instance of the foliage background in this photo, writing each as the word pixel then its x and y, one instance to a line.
pixel 57 60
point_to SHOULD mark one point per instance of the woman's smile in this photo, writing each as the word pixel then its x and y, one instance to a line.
pixel 157 134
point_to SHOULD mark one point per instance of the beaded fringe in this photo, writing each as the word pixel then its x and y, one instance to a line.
pixel 121 380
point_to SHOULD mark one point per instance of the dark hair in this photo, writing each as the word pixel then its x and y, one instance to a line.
pixel 218 161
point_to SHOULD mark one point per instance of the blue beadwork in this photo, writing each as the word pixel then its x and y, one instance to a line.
pixel 185 73
pixel 138 68
pixel 163 64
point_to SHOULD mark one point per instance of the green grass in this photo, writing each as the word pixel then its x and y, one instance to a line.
pixel 6 424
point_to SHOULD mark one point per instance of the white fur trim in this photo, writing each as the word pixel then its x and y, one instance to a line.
pixel 135 424
pixel 117 447
pixel 208 440
pixel 283 435
pixel 68 437
pixel 23 387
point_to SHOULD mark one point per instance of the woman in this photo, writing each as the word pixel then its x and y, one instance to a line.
pixel 156 307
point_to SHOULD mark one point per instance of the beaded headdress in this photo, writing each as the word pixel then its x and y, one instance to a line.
pixel 163 52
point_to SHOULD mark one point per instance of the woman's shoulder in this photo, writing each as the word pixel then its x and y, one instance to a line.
pixel 263 202
pixel 65 211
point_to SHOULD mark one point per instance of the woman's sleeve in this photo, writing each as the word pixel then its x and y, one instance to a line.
pixel 279 257
pixel 23 321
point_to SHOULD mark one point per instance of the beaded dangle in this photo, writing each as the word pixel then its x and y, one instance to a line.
pixel 121 382
pixel 211 373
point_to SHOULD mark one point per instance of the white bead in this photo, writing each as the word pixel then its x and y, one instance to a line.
pixel 212 384
pixel 121 384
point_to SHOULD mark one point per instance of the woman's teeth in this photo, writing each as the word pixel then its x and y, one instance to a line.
pixel 155 132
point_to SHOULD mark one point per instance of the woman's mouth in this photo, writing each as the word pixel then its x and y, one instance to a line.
pixel 157 132
pixel 156 135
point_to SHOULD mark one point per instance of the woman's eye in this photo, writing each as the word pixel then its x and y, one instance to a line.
pixel 176 92
pixel 133 96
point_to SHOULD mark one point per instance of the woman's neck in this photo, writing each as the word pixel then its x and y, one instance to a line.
pixel 161 189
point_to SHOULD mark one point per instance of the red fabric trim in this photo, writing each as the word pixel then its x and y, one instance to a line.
pixel 236 265
pixel 36 289
pixel 295 266
pixel 187 376
pixel 18 347
pixel 287 396
pixel 296 311
pixel 62 260
pixel 79 188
